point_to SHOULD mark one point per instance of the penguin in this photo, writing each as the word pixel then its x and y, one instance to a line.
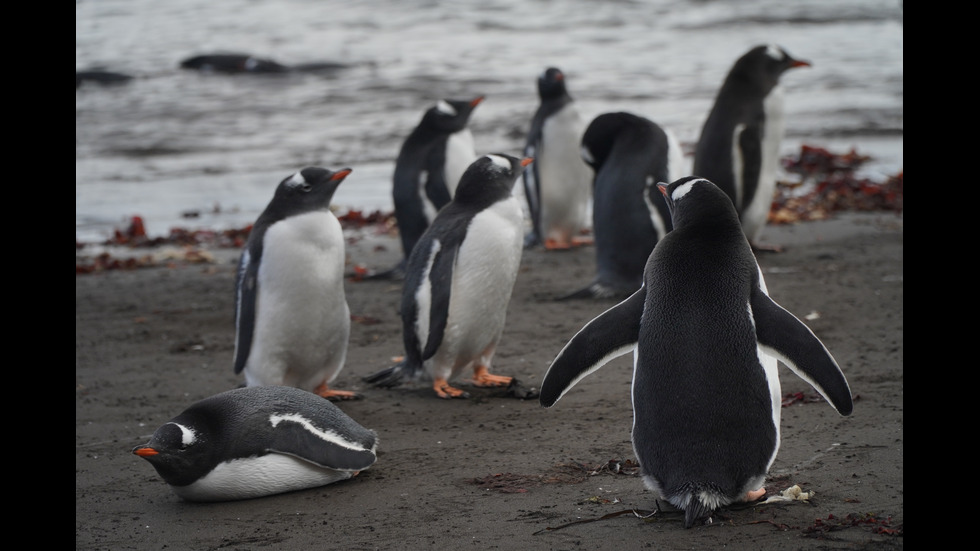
pixel 627 153
pixel 705 337
pixel 738 148
pixel 459 279
pixel 429 164
pixel 291 316
pixel 558 185
pixel 257 441
pixel 232 63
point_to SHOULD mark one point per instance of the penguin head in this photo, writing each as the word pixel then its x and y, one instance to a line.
pixel 178 450
pixel 600 136
pixel 551 84
pixel 764 64
pixel 450 115
pixel 693 199
pixel 490 179
pixel 307 190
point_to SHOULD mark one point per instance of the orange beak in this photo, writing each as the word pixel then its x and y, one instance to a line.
pixel 526 161
pixel 145 452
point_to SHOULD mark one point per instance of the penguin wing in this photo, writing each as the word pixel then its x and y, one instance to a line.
pixel 245 294
pixel 750 150
pixel 333 447
pixel 436 188
pixel 441 283
pixel 784 336
pixel 610 335
pixel 532 186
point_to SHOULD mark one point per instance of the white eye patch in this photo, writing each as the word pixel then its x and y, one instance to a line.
pixel 296 180
pixel 499 161
pixel 443 107
pixel 774 52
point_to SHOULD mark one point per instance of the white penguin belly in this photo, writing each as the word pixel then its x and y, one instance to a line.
pixel 460 153
pixel 483 280
pixel 259 476
pixel 302 319
pixel 565 181
pixel 757 211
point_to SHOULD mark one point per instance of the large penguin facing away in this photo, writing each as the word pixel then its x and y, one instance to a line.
pixel 739 145
pixel 292 323
pixel 258 441
pixel 628 153
pixel 705 337
pixel 459 279
pixel 558 185
pixel 428 168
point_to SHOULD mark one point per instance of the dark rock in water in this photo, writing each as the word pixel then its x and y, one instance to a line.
pixel 232 63
pixel 102 77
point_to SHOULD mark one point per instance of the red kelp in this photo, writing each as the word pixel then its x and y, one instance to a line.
pixel 827 183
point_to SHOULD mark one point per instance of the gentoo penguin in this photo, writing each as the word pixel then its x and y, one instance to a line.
pixel 458 281
pixel 705 338
pixel 258 441
pixel 558 185
pixel 427 171
pixel 232 63
pixel 739 145
pixel 627 153
pixel 291 316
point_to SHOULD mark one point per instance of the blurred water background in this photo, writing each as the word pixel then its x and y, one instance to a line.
pixel 183 148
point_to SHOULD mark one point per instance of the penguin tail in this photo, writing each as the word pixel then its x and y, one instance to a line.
pixel 697 512
pixel 391 376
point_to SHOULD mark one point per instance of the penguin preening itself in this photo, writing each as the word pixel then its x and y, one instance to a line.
pixel 258 441
pixel 627 153
pixel 428 168
pixel 705 338
pixel 292 321
pixel 558 185
pixel 739 145
pixel 459 279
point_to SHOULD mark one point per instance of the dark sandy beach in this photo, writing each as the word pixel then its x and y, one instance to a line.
pixel 493 472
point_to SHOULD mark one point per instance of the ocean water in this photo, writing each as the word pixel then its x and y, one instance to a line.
pixel 182 148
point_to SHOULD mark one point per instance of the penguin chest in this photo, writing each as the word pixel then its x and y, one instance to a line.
pixel 460 153
pixel 484 276
pixel 564 180
pixel 257 476
pixel 302 319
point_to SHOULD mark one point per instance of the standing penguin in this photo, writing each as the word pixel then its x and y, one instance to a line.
pixel 459 279
pixel 627 153
pixel 291 316
pixel 739 145
pixel 258 441
pixel 558 185
pixel 705 338
pixel 427 171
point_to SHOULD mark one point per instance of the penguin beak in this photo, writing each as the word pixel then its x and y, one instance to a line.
pixel 799 63
pixel 340 174
pixel 476 101
pixel 144 451
pixel 526 161
pixel 663 188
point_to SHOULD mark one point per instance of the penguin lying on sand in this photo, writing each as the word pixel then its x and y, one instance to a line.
pixel 459 279
pixel 428 168
pixel 558 185
pixel 258 441
pixel 705 338
pixel 628 153
pixel 291 316
pixel 234 63
pixel 739 145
